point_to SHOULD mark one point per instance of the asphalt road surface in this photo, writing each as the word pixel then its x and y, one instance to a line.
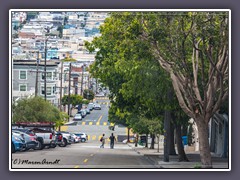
pixel 88 154
pixel 82 156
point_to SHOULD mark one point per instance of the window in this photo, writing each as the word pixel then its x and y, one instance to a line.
pixel 43 90
pixel 48 74
pixel 49 89
pixel 23 75
pixel 23 87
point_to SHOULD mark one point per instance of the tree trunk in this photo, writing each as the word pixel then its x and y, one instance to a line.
pixel 128 131
pixel 153 141
pixel 204 147
pixel 180 148
pixel 146 141
pixel 172 150
pixel 136 141
pixel 167 118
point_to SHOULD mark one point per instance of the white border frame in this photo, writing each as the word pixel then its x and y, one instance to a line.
pixel 112 10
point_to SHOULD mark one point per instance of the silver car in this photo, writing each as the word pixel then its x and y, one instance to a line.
pixel 77 117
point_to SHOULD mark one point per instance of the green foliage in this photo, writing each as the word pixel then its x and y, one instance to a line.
pixel 88 94
pixel 74 99
pixel 35 110
pixel 62 119
pixel 127 66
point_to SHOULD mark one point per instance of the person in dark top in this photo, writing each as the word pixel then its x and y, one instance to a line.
pixel 112 139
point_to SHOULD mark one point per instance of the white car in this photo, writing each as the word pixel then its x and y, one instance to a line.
pixel 84 136
pixel 75 138
pixel 77 117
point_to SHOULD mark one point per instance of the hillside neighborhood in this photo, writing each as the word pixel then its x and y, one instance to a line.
pixel 155 84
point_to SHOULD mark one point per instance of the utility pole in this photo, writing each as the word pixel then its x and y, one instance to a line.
pixel 69 86
pixel 82 81
pixel 36 85
pixel 61 86
pixel 45 71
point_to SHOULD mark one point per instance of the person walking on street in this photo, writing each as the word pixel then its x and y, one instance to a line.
pixel 112 139
pixel 102 140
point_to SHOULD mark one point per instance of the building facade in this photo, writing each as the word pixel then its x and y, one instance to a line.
pixel 24 80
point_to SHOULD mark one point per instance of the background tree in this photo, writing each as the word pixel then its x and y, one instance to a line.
pixel 35 110
pixel 74 99
pixel 88 94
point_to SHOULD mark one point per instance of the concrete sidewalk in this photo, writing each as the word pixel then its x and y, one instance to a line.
pixel 193 156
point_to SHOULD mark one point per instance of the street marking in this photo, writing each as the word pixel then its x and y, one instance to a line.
pixel 64 128
pixel 85 160
pixel 100 118
pixel 105 123
pixel 76 166
pixel 97 123
pixel 94 137
pixel 91 155
pixel 90 123
pixel 83 123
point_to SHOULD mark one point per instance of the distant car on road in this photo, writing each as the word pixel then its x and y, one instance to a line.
pixel 97 107
pixel 77 117
pixel 87 110
pixel 82 112
pixel 90 106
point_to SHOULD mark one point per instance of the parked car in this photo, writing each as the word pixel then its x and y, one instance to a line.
pixel 75 138
pixel 31 141
pixel 97 107
pixel 18 144
pixel 87 110
pixel 46 137
pixel 25 130
pixel 83 136
pixel 90 106
pixel 82 112
pixel 67 139
pixel 59 138
pixel 77 117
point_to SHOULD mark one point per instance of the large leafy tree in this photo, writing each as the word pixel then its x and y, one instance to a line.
pixel 192 47
pixel 35 109
pixel 126 65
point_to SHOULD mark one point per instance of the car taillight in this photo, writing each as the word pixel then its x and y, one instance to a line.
pixel 50 136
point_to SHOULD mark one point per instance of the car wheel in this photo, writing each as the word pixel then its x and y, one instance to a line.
pixel 39 146
pixel 83 140
pixel 64 143
pixel 53 145
pixel 13 148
